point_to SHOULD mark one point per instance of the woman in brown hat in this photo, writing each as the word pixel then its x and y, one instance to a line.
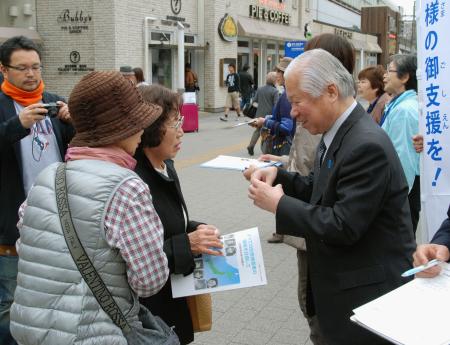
pixel 113 217
pixel 183 238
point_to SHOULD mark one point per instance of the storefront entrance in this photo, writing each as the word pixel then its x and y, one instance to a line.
pixel 162 66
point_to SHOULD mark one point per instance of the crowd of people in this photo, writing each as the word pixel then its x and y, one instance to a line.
pixel 347 193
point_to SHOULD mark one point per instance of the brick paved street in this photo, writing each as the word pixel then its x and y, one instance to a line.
pixel 262 315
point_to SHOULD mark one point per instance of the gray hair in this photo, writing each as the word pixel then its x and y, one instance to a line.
pixel 271 78
pixel 317 69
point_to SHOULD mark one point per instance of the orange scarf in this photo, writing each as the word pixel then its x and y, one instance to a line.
pixel 24 98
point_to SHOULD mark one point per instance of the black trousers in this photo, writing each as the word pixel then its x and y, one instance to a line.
pixel 414 203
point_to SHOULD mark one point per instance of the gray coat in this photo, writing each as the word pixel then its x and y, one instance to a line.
pixel 266 97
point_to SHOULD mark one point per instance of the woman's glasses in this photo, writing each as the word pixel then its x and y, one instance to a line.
pixel 179 123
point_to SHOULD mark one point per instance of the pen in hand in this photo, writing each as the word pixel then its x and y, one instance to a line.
pixel 421 268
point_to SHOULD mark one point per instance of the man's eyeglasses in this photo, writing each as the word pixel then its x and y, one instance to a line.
pixel 179 123
pixel 23 69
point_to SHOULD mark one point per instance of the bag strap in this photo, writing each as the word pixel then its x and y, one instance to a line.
pixel 82 261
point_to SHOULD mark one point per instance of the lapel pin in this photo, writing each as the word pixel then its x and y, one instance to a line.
pixel 329 164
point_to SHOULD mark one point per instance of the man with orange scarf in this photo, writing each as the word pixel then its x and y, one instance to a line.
pixel 29 142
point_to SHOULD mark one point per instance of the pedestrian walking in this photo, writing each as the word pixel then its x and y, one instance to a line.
pixel 266 97
pixel 246 84
pixel 232 101
pixel 190 79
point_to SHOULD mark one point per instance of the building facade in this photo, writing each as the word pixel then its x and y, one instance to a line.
pixel 78 37
pixel 383 22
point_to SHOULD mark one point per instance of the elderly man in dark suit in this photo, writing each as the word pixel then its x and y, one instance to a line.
pixel 352 210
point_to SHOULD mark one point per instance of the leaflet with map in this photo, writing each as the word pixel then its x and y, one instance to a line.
pixel 240 266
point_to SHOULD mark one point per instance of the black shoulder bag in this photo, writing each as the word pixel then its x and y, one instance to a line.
pixel 154 330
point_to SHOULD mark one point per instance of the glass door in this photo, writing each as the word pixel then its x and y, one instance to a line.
pixel 256 62
pixel 271 59
pixel 162 66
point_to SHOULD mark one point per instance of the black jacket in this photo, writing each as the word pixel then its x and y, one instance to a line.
pixel 11 184
pixel 442 236
pixel 246 84
pixel 355 217
pixel 168 201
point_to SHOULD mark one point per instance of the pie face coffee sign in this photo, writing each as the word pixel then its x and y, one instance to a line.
pixel 269 15
pixel 74 22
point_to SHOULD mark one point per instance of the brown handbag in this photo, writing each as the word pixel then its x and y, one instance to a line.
pixel 200 308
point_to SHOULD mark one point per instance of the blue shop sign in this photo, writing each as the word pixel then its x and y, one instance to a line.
pixel 293 49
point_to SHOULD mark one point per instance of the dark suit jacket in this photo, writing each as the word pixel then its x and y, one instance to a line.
pixel 442 236
pixel 11 184
pixel 355 218
pixel 169 204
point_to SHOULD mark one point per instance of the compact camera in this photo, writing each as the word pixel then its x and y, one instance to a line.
pixel 52 108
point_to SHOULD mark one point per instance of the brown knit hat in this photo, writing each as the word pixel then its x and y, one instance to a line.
pixel 284 63
pixel 105 108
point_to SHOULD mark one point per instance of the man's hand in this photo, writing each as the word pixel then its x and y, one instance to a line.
pixel 264 158
pixel 264 195
pixel 63 113
pixel 249 171
pixel 32 114
pixel 427 252
pixel 203 238
pixel 418 142
pixel 258 123
pixel 267 175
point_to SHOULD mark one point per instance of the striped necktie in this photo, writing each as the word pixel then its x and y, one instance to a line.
pixel 321 152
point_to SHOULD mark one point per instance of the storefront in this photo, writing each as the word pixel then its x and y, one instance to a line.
pixel 79 37
pixel 366 46
pixel 261 45
pixel 161 36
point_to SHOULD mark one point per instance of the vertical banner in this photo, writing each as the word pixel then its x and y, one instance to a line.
pixel 433 53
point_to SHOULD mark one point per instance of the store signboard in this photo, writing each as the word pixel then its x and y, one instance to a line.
pixel 293 49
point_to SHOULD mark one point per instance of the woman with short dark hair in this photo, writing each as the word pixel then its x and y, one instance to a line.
pixel 371 88
pixel 183 238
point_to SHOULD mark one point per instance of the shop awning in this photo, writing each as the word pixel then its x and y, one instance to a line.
pixel 359 45
pixel 8 32
pixel 366 46
pixel 374 48
pixel 255 28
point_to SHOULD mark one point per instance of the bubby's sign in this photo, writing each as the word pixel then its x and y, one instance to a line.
pixel 269 15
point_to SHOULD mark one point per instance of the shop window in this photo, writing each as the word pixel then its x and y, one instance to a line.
pixel 243 44
pixel 189 39
pixel 270 45
pixel 160 36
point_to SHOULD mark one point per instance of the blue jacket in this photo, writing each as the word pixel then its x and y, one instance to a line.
pixel 280 123
pixel 401 123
